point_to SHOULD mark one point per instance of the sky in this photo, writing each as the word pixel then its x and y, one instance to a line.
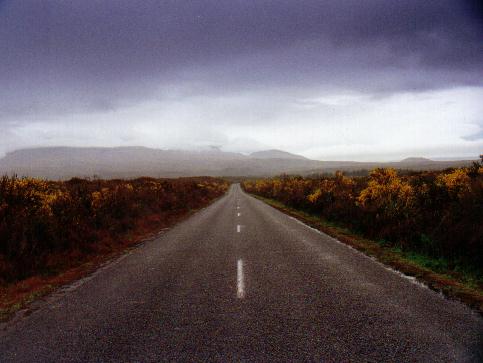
pixel 330 80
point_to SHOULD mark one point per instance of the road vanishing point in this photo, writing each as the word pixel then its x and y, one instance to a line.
pixel 242 282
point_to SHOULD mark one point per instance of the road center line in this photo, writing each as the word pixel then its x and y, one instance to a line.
pixel 240 283
pixel 238 214
pixel 238 228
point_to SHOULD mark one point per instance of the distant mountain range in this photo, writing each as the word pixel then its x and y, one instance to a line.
pixel 129 162
pixel 276 154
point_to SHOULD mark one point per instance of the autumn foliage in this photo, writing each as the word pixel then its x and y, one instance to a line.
pixel 439 214
pixel 44 224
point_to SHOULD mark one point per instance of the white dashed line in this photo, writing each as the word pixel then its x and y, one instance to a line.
pixel 238 228
pixel 240 283
pixel 238 214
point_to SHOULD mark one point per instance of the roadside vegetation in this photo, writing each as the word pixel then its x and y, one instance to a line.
pixel 47 227
pixel 434 219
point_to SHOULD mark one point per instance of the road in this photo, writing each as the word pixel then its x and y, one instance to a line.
pixel 240 281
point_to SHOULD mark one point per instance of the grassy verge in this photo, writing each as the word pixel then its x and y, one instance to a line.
pixel 17 296
pixel 460 285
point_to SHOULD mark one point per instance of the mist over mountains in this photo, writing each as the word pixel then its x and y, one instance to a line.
pixel 130 162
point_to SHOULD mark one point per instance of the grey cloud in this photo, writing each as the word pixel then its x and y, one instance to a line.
pixel 65 57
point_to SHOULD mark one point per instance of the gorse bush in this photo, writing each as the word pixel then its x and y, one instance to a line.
pixel 439 214
pixel 40 219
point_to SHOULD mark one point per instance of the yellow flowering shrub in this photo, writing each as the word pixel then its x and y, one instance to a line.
pixel 434 212
pixel 387 193
pixel 40 218
pixel 456 182
pixel 315 196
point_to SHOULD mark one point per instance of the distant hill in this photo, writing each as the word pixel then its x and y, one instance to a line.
pixel 130 162
pixel 416 160
pixel 276 154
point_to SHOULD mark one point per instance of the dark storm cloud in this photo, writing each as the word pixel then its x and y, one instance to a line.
pixel 77 56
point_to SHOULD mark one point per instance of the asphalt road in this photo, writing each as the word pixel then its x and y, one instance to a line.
pixel 240 281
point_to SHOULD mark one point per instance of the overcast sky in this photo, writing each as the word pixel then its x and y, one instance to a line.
pixel 338 79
